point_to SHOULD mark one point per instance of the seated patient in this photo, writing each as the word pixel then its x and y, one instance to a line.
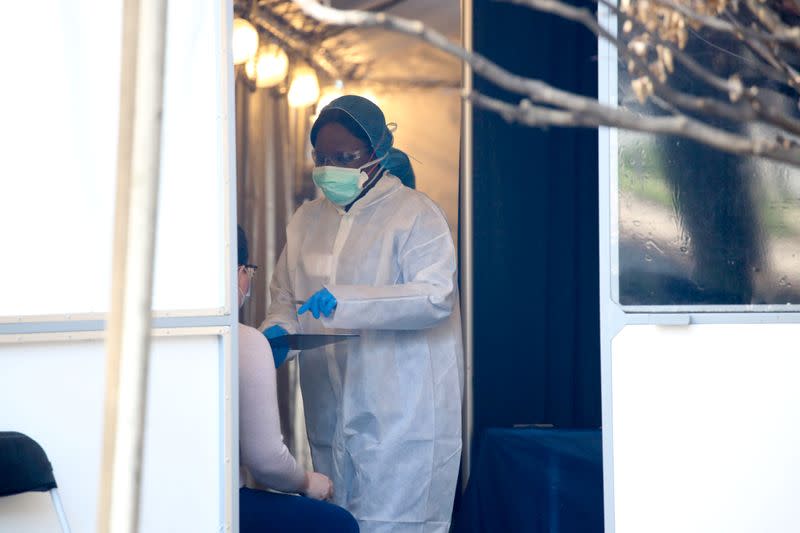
pixel 262 452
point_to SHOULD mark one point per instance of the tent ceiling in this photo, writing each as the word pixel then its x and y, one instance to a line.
pixel 374 55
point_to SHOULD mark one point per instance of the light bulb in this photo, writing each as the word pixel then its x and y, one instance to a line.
pixel 304 89
pixel 271 66
pixel 244 42
pixel 250 69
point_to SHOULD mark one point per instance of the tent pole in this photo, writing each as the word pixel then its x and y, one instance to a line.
pixel 128 336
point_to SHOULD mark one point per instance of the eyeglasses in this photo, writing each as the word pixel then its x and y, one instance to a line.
pixel 250 270
pixel 338 159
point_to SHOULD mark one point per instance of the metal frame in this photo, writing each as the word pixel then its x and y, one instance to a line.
pixel 230 373
pixel 466 252
pixel 101 317
pixel 613 316
pixel 609 325
pixel 59 508
pixel 70 336
pixel 98 325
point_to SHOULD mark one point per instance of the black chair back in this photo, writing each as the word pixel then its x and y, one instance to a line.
pixel 24 466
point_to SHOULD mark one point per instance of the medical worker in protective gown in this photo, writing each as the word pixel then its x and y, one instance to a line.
pixel 375 257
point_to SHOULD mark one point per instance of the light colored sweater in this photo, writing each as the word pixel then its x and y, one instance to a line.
pixel 262 452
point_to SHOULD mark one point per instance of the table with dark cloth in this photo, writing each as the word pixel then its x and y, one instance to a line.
pixel 534 480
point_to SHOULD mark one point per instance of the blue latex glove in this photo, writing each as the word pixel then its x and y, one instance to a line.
pixel 280 354
pixel 321 302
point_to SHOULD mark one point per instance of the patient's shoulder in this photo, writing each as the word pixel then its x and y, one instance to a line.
pixel 252 341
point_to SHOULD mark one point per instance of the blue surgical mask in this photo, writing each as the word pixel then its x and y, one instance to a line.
pixel 341 185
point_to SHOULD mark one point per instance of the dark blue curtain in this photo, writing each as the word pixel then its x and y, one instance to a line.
pixel 537 354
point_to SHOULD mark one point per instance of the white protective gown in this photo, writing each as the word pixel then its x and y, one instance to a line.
pixel 383 412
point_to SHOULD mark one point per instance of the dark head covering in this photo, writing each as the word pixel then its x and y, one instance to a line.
pixel 398 164
pixel 369 118
pixel 241 243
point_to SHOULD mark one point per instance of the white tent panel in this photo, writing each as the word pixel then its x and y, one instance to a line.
pixel 59 132
pixel 193 209
pixel 58 170
pixel 54 392
pixel 706 428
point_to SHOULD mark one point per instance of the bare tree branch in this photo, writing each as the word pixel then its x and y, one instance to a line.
pixel 695 68
pixel 773 22
pixel 567 108
pixel 756 110
pixel 528 114
pixel 783 72
pixel 412 83
pixel 686 101
pixel 663 104
pixel 536 90
pixel 772 71
pixel 784 35
pixel 575 14
pixel 791 76
pixel 379 5
pixel 711 79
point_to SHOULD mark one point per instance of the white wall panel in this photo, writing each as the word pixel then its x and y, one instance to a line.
pixel 53 391
pixel 706 428
pixel 190 245
pixel 60 106
pixel 58 136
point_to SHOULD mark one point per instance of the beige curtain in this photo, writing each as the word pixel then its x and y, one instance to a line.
pixel 271 170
